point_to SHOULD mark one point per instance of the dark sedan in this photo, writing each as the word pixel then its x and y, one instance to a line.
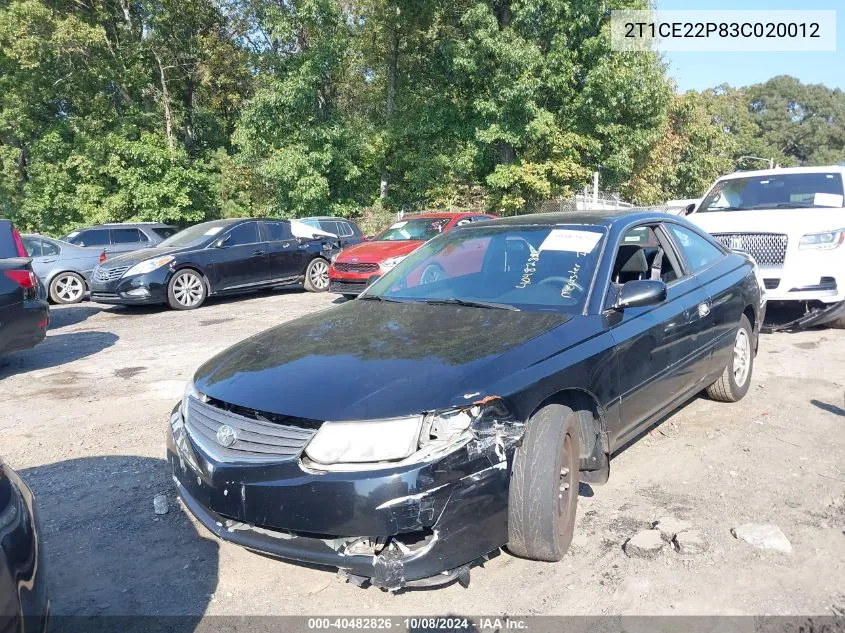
pixel 218 257
pixel 24 311
pixel 24 604
pixel 404 436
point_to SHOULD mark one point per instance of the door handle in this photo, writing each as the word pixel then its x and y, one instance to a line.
pixel 257 253
pixel 48 261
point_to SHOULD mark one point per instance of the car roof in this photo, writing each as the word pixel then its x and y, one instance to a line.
pixel 779 171
pixel 324 217
pixel 601 218
pixel 112 225
pixel 444 214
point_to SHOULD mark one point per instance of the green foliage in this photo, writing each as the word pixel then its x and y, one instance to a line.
pixel 183 110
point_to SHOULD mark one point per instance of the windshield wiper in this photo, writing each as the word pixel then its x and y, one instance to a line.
pixel 471 304
pixel 379 298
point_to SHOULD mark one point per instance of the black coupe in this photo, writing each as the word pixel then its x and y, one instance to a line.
pixel 405 435
pixel 218 257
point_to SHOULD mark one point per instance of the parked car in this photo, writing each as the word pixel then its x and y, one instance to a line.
pixel 346 230
pixel 792 222
pixel 405 435
pixel 218 257
pixel 24 602
pixel 122 237
pixel 24 312
pixel 359 265
pixel 63 268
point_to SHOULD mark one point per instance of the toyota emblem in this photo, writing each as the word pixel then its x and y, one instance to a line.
pixel 226 436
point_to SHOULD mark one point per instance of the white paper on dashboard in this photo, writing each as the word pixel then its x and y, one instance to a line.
pixel 570 241
pixel 828 200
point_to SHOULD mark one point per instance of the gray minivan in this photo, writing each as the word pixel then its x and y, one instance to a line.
pixel 121 238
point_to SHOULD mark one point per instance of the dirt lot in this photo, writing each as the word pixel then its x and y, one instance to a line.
pixel 82 419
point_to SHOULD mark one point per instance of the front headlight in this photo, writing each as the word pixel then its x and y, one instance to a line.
pixel 190 392
pixel 148 265
pixel 391 262
pixel 384 440
pixel 823 240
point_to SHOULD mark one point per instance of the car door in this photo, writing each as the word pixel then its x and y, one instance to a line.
pixel 286 258
pixel 127 239
pixel 240 258
pixel 342 230
pixel 657 345
pixel 40 265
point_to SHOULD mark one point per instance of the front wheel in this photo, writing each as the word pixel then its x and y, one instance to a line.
pixel 67 288
pixel 543 491
pixel 734 382
pixel 186 290
pixel 317 275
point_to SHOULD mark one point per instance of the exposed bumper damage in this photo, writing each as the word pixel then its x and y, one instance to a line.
pixel 420 524
pixel 815 314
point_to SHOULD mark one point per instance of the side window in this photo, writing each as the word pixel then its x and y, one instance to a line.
pixel 48 248
pixel 93 237
pixel 698 251
pixel 246 233
pixel 32 246
pixel 480 218
pixel 127 236
pixel 642 255
pixel 463 222
pixel 330 226
pixel 345 229
pixel 278 231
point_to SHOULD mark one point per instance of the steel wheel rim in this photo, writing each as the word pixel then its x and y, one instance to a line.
pixel 742 357
pixel 188 289
pixel 567 484
pixel 319 274
pixel 431 274
pixel 69 288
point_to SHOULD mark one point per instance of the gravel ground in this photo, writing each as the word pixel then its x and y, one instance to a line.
pixel 82 420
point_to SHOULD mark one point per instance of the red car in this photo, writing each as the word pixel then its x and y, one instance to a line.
pixel 354 267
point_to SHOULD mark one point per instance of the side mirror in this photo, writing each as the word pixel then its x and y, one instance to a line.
pixel 644 292
pixel 221 243
pixel 689 208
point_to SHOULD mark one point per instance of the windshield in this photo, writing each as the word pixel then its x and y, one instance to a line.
pixel 781 191
pixel 196 235
pixel 510 267
pixel 414 229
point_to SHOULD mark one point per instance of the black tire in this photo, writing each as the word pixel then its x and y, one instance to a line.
pixel 727 388
pixel 67 287
pixel 317 275
pixel 543 493
pixel 837 324
pixel 350 297
pixel 183 292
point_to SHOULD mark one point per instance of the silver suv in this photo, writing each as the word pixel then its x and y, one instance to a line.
pixel 121 238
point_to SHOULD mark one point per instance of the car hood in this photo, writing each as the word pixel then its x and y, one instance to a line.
pixel 793 222
pixel 378 251
pixel 140 255
pixel 369 359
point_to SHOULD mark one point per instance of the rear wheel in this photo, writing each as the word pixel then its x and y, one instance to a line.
pixel 544 485
pixel 67 288
pixel 186 290
pixel 734 382
pixel 317 275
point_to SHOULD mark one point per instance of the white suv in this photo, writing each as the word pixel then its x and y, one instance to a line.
pixel 793 222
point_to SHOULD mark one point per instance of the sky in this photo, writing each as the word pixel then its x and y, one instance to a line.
pixel 700 70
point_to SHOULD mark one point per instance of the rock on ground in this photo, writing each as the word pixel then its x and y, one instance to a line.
pixel 670 526
pixel 690 542
pixel 763 536
pixel 160 504
pixel 645 544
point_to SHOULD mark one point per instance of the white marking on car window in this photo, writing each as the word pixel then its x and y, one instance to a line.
pixel 570 241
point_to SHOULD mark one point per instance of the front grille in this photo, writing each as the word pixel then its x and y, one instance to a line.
pixel 347 287
pixel 768 249
pixel 350 267
pixel 256 440
pixel 109 274
pixel 771 284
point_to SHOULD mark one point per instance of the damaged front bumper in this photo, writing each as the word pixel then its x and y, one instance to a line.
pixel 815 314
pixel 421 523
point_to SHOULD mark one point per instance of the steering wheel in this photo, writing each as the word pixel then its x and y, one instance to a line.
pixel 563 281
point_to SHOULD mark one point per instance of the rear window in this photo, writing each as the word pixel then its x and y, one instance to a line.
pixel 8 242
pixel 776 191
pixel 127 236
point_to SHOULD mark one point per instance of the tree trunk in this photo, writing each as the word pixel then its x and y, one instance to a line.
pixel 165 97
pixel 507 154
pixel 390 97
pixel 188 104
